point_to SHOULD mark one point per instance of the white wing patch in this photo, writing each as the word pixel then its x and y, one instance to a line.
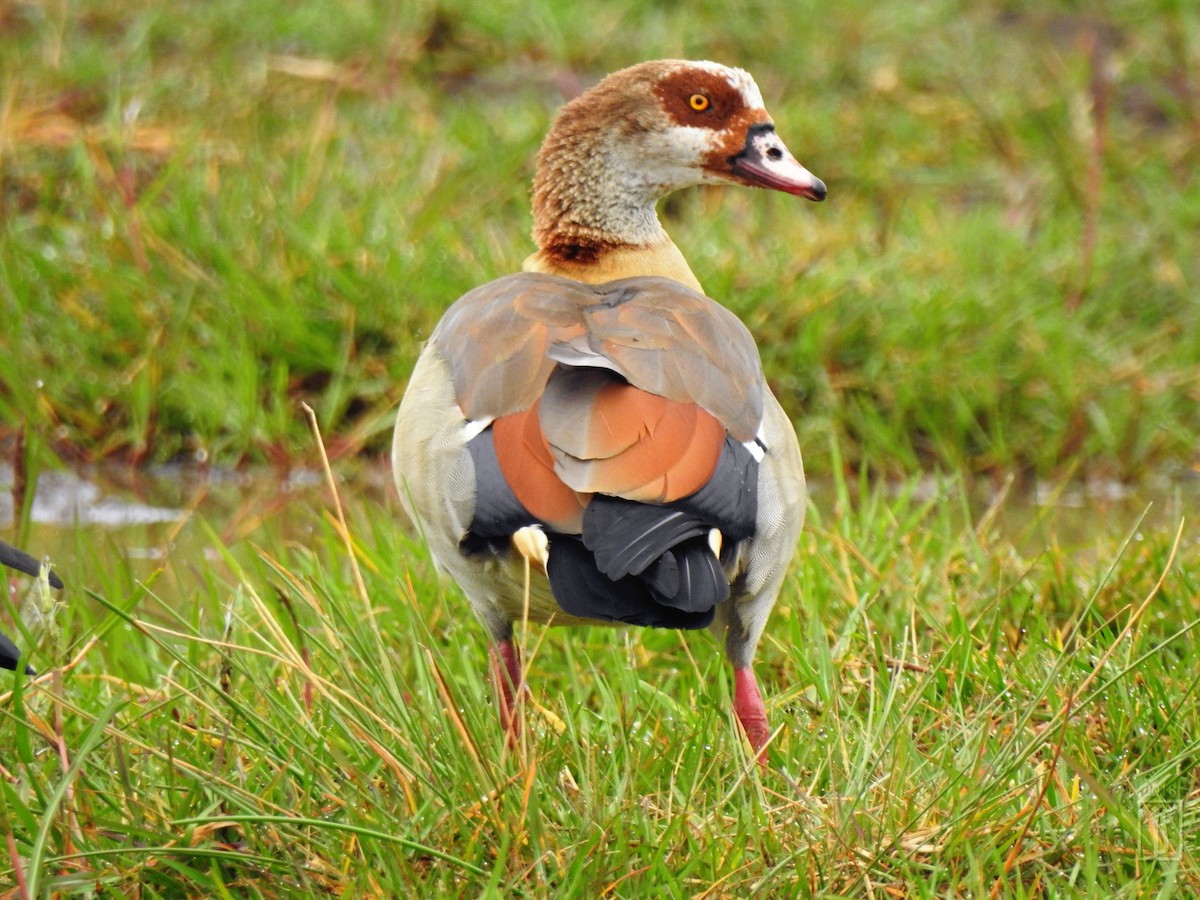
pixel 473 428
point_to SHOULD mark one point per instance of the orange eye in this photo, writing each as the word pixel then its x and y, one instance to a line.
pixel 699 102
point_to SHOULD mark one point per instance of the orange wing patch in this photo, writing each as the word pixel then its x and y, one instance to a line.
pixel 527 466
pixel 590 433
pixel 607 436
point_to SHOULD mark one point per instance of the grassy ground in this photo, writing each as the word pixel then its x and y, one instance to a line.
pixel 209 212
pixel 954 718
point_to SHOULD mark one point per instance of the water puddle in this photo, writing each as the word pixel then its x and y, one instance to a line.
pixel 67 498
pixel 165 518
pixel 102 526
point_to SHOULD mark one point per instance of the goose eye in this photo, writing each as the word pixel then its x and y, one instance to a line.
pixel 699 102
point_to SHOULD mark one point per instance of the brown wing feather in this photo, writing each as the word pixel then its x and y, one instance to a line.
pixel 661 336
pixel 682 345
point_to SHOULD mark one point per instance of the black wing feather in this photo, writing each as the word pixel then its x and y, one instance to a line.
pixel 583 590
pixel 10 655
pixel 21 561
pixel 498 513
pixel 627 537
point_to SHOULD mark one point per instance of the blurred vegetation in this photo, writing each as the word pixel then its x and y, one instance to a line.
pixel 213 211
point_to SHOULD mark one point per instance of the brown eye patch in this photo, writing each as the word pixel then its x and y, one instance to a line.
pixel 700 98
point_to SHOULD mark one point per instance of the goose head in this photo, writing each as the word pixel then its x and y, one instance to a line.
pixel 642 133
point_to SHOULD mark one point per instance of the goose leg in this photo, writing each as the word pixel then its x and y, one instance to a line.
pixel 748 704
pixel 506 672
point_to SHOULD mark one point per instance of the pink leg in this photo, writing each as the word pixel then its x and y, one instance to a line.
pixel 506 672
pixel 748 704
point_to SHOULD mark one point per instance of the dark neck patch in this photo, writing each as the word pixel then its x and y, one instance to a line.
pixel 577 251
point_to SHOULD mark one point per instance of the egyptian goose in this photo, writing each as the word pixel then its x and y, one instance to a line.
pixel 597 420
pixel 22 562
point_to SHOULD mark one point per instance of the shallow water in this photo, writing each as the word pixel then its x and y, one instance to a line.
pixel 1078 514
pixel 151 518
pixel 146 520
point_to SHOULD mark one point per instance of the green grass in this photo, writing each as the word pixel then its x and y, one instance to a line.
pixel 953 717
pixel 210 212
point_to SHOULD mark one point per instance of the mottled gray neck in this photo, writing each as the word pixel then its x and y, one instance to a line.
pixel 589 196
